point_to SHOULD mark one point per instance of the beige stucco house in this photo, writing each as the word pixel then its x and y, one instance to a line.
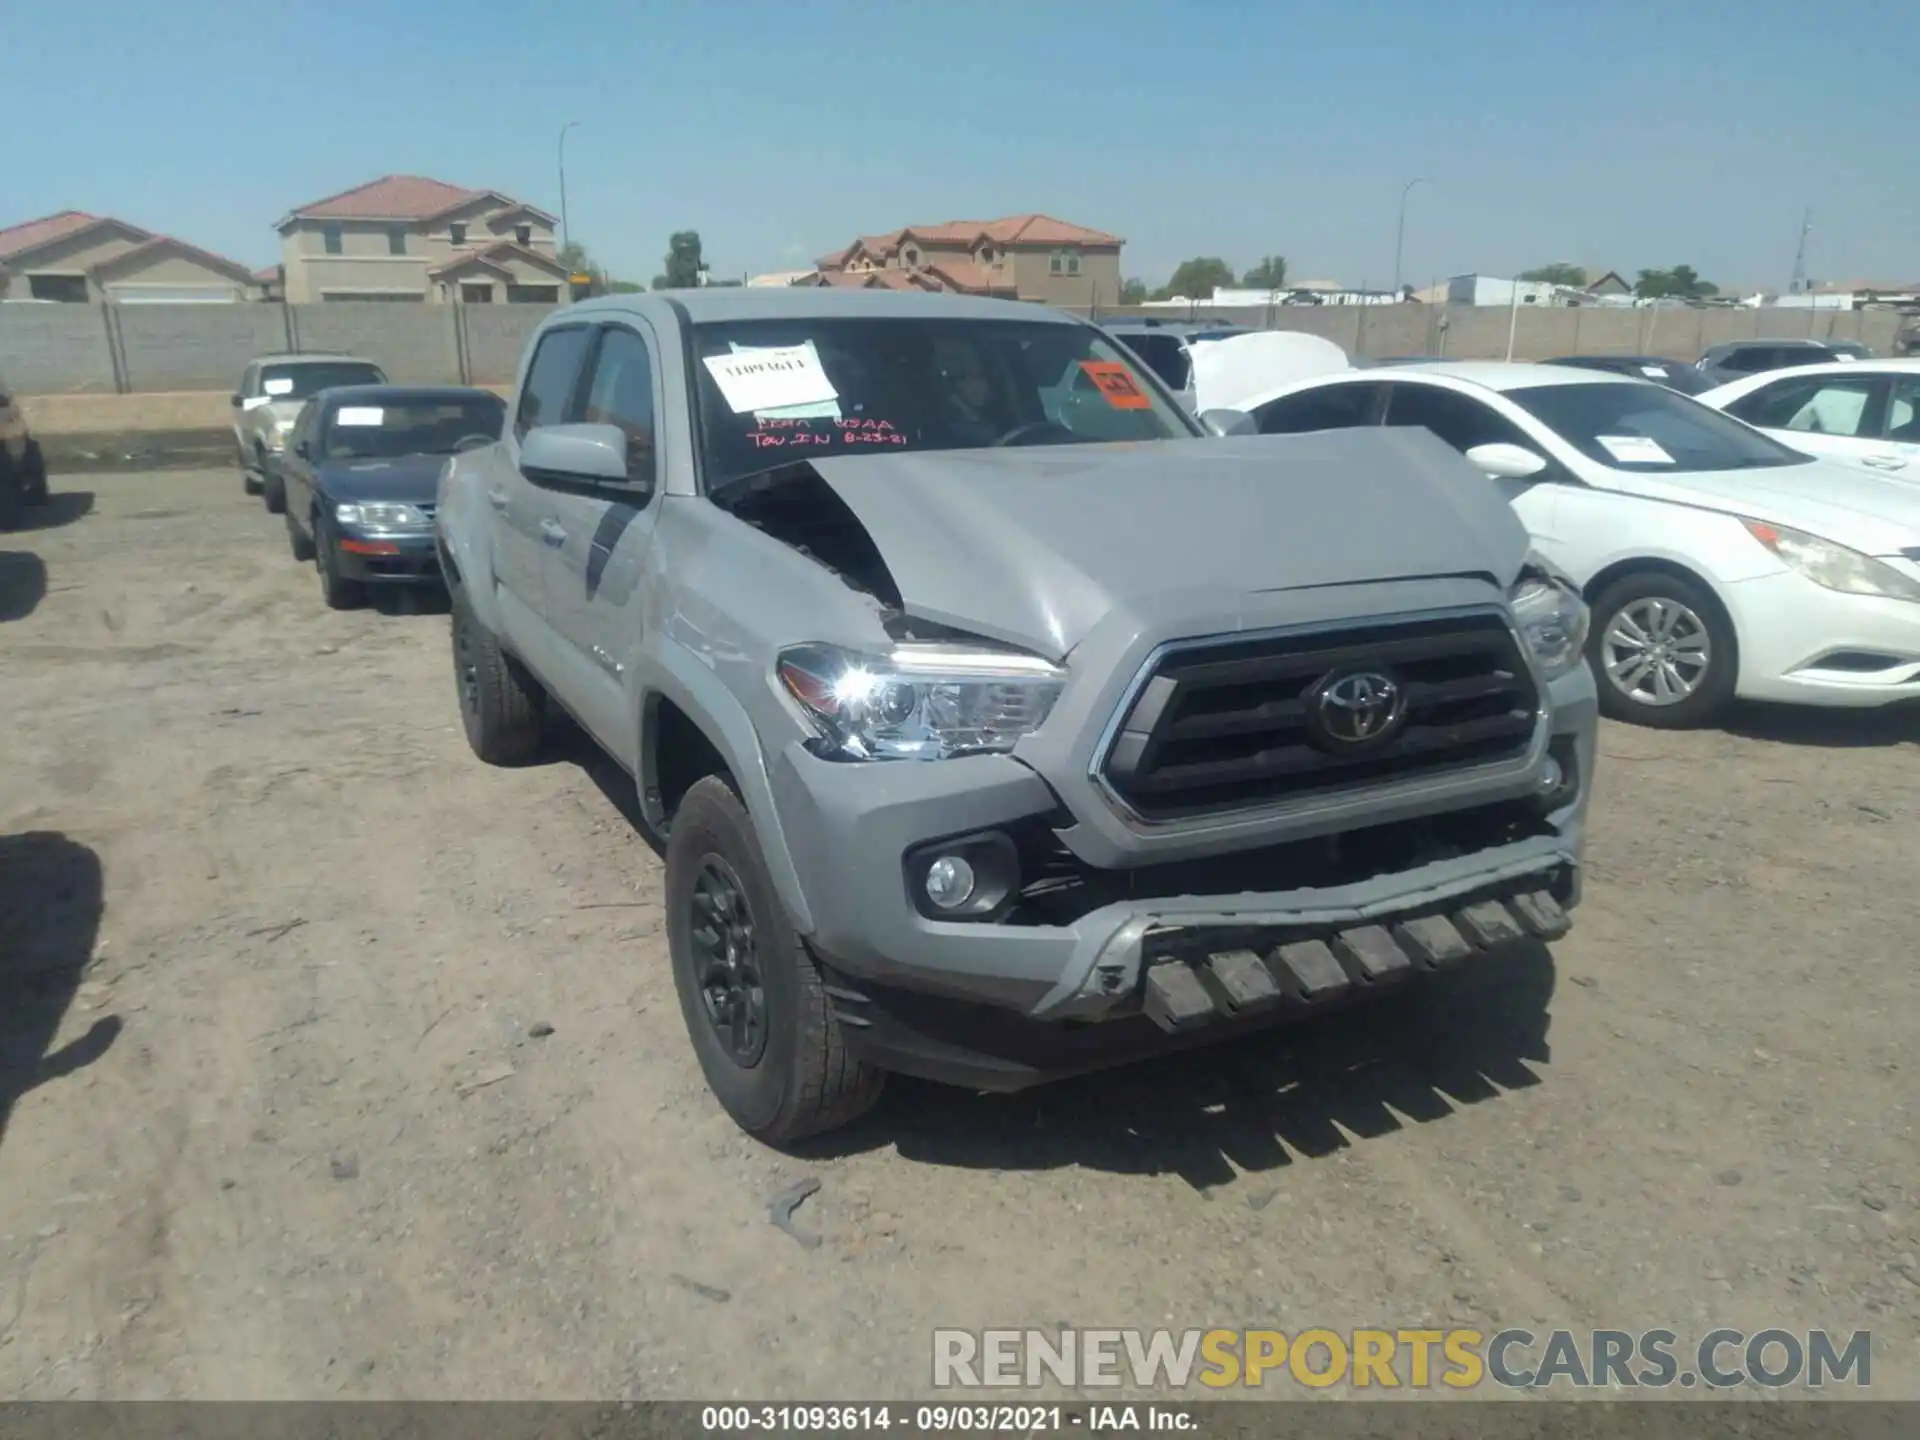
pixel 80 258
pixel 410 238
pixel 1025 257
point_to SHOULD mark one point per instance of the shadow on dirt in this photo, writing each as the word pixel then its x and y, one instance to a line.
pixel 23 583
pixel 398 601
pixel 51 901
pixel 63 507
pixel 1840 729
pixel 1254 1104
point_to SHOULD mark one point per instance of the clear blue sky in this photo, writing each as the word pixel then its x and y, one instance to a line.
pixel 1622 134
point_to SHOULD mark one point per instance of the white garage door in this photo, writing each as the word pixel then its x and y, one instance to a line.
pixel 172 294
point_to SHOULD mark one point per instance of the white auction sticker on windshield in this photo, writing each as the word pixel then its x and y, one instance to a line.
pixel 1654 372
pixel 1634 449
pixel 278 387
pixel 359 415
pixel 1844 357
pixel 813 410
pixel 760 380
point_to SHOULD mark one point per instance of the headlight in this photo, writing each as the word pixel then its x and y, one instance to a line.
pixel 1833 566
pixel 381 515
pixel 921 702
pixel 1552 618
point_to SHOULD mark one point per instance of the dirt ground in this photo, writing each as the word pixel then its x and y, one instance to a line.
pixel 282 1119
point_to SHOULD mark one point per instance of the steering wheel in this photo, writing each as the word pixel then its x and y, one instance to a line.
pixel 472 442
pixel 1032 429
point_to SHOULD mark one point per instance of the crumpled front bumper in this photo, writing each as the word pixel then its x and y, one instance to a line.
pixel 849 828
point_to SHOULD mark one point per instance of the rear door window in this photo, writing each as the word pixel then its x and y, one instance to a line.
pixel 1332 407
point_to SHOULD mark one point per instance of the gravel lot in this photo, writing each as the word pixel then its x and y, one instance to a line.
pixel 281 1119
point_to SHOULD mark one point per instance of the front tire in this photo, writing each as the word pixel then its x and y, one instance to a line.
pixel 501 705
pixel 337 590
pixel 1663 651
pixel 273 492
pixel 752 998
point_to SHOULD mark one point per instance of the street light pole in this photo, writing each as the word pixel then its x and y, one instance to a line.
pixel 566 236
pixel 1400 234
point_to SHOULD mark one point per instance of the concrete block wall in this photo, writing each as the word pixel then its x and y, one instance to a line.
pixel 192 347
pixel 56 350
pixel 89 349
pixel 495 337
pixel 414 344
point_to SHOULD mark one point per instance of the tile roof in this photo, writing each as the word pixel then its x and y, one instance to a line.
pixel 267 273
pixel 493 254
pixel 970 276
pixel 231 268
pixel 32 234
pixel 1012 230
pixel 391 197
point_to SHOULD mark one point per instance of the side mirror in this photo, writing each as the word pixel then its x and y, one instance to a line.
pixel 1501 461
pixel 1229 422
pixel 576 454
pixel 303 449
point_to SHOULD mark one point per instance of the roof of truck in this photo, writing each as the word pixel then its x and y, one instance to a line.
pixel 806 302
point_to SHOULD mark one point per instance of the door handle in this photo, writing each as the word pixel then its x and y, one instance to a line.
pixel 552 533
pixel 1885 462
pixel 497 499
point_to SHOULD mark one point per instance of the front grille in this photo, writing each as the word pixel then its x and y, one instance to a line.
pixel 1237 723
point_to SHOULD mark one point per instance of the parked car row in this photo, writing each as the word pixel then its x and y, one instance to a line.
pixel 1720 559
pixel 353 464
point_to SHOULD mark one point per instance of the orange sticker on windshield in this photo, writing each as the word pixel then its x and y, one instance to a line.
pixel 1113 381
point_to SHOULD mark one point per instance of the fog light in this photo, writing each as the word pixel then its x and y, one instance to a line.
pixel 950 882
pixel 1550 775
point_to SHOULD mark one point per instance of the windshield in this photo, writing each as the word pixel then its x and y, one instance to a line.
pixel 855 386
pixel 412 425
pixel 303 381
pixel 1648 429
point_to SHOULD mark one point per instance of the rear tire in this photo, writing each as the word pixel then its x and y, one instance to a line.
pixel 784 1072
pixel 252 474
pixel 1674 678
pixel 501 705
pixel 13 497
pixel 273 491
pixel 298 541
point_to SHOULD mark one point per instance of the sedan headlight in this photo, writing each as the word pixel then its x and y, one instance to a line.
pixel 1551 616
pixel 382 515
pixel 921 702
pixel 1833 566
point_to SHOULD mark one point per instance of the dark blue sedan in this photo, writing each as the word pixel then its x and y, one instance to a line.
pixel 359 478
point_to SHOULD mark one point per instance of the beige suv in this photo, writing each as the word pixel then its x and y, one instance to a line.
pixel 23 469
pixel 268 401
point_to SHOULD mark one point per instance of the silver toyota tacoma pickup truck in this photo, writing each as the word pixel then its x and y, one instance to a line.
pixel 998 719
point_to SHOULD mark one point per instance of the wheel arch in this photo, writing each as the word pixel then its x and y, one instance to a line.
pixel 691 725
pixel 1619 569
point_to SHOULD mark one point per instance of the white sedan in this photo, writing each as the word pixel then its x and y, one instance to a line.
pixel 1865 412
pixel 1717 561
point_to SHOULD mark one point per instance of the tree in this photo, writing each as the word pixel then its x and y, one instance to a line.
pixel 1197 279
pixel 1133 292
pixel 1558 273
pixel 1679 283
pixel 683 262
pixel 578 261
pixel 1269 274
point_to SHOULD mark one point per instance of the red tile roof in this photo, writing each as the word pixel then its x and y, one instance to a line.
pixel 32 234
pixel 967 275
pixel 391 197
pixel 267 274
pixel 1012 230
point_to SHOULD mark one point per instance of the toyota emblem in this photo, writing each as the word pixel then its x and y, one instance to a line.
pixel 1351 708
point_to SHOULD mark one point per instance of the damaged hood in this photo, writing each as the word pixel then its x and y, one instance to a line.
pixel 1033 547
